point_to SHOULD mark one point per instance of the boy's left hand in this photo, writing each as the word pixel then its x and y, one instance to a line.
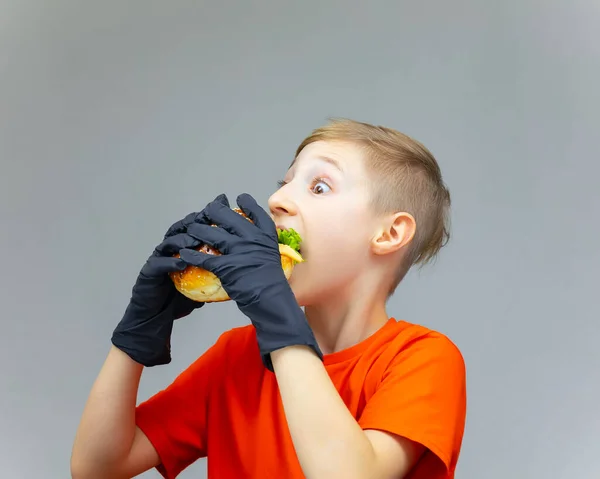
pixel 250 271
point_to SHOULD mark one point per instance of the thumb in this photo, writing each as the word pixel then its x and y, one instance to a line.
pixel 158 266
pixel 256 213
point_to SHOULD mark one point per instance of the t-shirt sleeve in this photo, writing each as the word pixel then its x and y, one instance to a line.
pixel 175 418
pixel 422 396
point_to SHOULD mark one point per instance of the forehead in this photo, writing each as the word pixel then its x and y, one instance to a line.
pixel 343 156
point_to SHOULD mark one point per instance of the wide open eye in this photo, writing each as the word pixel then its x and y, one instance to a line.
pixel 319 186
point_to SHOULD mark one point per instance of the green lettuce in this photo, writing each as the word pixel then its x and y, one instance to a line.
pixel 290 237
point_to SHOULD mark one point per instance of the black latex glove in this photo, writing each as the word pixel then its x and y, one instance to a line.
pixel 250 271
pixel 144 332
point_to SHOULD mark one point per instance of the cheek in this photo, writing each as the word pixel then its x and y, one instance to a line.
pixel 331 264
pixel 337 264
pixel 336 253
pixel 336 243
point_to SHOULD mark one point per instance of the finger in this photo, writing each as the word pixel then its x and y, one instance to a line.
pixel 206 261
pixel 160 265
pixel 256 213
pixel 196 217
pixel 172 244
pixel 226 218
pixel 213 236
pixel 222 199
pixel 182 225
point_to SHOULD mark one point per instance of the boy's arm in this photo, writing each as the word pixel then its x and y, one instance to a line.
pixel 118 439
pixel 108 443
pixel 328 440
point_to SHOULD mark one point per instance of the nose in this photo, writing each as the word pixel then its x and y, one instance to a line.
pixel 281 204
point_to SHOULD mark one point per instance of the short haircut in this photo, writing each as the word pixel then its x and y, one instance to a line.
pixel 405 177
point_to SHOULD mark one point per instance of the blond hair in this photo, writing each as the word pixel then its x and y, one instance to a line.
pixel 405 177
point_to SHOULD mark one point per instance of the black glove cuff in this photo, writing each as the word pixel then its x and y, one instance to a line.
pixel 279 322
pixel 148 343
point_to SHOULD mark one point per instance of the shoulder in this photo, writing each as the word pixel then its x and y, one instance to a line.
pixel 415 368
pixel 408 345
pixel 420 364
pixel 418 390
pixel 432 359
pixel 431 343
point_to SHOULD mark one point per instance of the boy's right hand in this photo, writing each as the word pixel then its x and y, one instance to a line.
pixel 144 332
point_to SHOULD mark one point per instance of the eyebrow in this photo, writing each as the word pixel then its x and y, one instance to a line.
pixel 327 159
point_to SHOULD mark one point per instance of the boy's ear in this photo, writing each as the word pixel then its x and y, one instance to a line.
pixel 396 232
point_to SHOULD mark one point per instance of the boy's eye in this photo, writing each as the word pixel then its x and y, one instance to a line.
pixel 319 186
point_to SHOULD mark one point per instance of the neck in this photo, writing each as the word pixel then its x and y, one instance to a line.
pixel 348 318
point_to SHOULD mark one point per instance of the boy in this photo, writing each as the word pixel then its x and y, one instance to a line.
pixel 337 390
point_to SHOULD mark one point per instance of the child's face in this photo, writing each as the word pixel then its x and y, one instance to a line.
pixel 325 197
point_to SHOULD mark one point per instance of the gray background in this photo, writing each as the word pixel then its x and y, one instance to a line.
pixel 118 118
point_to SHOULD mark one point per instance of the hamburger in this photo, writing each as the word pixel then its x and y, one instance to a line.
pixel 203 286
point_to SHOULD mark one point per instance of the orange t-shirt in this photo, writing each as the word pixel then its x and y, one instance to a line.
pixel 404 379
